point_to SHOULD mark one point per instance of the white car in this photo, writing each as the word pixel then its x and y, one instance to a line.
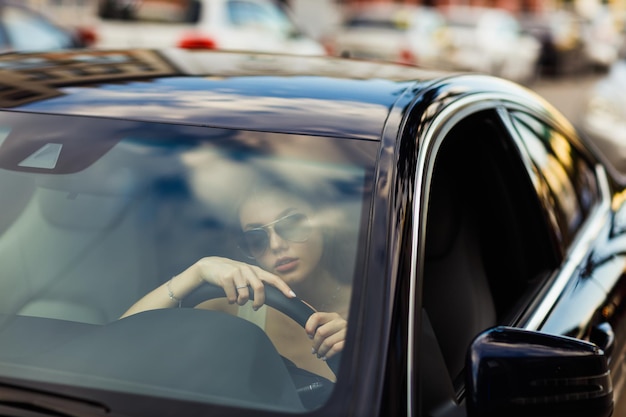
pixel 604 117
pixel 491 41
pixel 602 39
pixel 243 25
pixel 25 29
pixel 391 32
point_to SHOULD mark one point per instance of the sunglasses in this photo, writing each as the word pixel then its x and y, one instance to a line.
pixel 293 227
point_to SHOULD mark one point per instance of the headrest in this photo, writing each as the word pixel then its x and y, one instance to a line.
pixel 90 199
pixel 80 211
pixel 98 179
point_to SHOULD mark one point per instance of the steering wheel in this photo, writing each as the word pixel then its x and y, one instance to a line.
pixel 294 308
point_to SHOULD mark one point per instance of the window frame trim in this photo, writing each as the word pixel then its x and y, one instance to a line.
pixel 581 245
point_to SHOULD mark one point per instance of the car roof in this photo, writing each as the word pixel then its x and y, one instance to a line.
pixel 292 94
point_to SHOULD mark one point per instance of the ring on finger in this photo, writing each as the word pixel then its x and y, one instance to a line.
pixel 241 286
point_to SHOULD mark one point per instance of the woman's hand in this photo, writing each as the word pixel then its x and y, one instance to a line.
pixel 328 332
pixel 237 277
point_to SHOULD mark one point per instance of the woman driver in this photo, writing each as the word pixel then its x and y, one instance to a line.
pixel 281 234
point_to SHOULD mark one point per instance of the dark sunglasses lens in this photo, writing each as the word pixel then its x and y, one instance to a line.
pixel 295 228
pixel 255 241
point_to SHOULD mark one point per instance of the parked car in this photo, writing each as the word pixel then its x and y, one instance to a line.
pixel 390 32
pixel 24 29
pixel 251 25
pixel 491 41
pixel 603 39
pixel 478 240
pixel 604 115
pixel 561 35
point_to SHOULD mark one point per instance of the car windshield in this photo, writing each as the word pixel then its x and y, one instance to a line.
pixel 96 213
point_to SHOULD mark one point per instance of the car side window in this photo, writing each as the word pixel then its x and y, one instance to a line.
pixel 487 243
pixel 571 180
pixel 4 41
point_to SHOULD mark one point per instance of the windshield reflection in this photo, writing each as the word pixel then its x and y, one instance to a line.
pixel 118 211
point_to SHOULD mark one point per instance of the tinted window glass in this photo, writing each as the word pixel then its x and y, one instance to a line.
pixel 568 175
pixel 96 213
pixel 183 11
pixel 487 247
pixel 365 22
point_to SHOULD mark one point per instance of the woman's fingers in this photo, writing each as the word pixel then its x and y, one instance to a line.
pixel 330 350
pixel 241 287
pixel 328 332
pixel 259 290
pixel 238 278
pixel 276 281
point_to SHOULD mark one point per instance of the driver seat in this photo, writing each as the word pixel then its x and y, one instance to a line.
pixel 457 296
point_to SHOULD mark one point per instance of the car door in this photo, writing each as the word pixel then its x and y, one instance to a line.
pixel 505 233
pixel 585 299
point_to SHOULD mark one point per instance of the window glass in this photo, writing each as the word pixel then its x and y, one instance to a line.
pixel 257 15
pixel 487 239
pixel 92 222
pixel 183 11
pixel 569 177
pixel 4 42
pixel 29 32
pixel 375 22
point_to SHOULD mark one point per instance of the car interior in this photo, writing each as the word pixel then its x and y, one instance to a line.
pixel 108 234
pixel 487 247
pixel 76 221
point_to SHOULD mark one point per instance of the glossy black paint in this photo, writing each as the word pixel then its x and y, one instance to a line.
pixel 260 92
pixel 514 372
pixel 284 94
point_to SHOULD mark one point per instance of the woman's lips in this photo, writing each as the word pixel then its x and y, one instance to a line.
pixel 285 265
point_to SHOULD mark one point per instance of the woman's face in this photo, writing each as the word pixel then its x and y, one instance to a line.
pixel 294 244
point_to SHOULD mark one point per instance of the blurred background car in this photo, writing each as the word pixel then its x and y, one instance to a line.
pixel 391 32
pixel 560 33
pixel 602 39
pixel 25 30
pixel 251 25
pixel 604 117
pixel 491 41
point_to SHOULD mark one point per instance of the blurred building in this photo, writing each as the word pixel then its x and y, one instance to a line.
pixel 584 7
pixel 84 10
pixel 70 12
pixel 512 5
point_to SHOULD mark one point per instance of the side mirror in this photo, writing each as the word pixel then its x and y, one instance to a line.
pixel 518 373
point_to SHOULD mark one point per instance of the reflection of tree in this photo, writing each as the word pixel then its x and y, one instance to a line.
pixel 327 172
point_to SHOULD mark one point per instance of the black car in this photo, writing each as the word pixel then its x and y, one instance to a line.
pixel 475 240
